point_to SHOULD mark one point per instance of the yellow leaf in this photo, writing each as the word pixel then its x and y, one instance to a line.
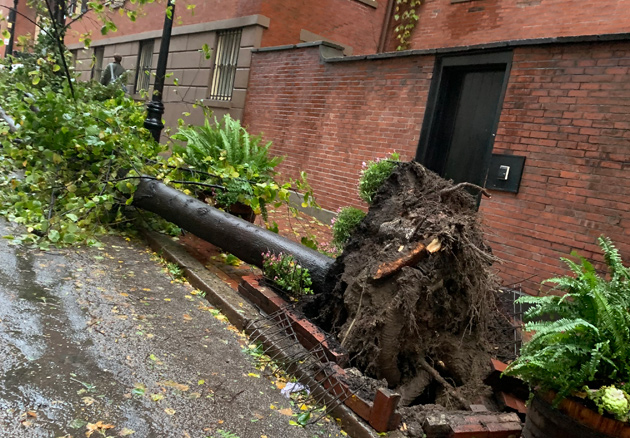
pixel 254 375
pixel 288 412
pixel 171 384
pixel 169 411
pixel 167 299
pixel 88 400
pixel 124 294
pixel 272 407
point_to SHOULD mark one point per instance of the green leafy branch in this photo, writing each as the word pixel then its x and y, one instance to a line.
pixel 406 18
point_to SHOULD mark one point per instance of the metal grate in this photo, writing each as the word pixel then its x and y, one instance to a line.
pixel 514 311
pixel 143 72
pixel 225 60
pixel 311 368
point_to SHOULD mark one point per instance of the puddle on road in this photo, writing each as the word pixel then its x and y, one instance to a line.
pixel 45 355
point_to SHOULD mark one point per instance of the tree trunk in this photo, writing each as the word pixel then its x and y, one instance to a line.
pixel 237 236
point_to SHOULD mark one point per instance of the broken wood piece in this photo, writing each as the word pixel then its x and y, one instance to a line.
pixel 465 184
pixel 383 416
pixel 408 259
pixel 450 389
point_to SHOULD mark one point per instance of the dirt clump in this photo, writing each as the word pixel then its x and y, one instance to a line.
pixel 413 291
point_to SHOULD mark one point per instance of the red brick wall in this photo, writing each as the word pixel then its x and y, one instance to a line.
pixel 327 118
pixel 347 22
pixel 152 18
pixel 446 24
pixel 22 24
pixel 567 109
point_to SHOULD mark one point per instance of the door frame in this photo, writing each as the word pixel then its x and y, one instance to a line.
pixel 472 60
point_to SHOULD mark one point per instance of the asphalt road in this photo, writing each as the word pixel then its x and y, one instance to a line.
pixel 105 335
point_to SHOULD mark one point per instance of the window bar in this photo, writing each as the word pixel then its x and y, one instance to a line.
pixel 226 58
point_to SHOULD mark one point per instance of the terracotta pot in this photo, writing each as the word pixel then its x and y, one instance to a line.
pixel 570 419
pixel 238 209
pixel 243 211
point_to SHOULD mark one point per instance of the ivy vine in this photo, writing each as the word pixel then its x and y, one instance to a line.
pixel 406 18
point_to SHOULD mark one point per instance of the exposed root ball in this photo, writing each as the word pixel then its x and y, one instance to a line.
pixel 413 286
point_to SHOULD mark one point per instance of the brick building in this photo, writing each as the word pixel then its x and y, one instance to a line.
pixel 231 29
pixel 24 22
pixel 535 89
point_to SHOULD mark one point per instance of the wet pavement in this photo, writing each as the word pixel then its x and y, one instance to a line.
pixel 93 338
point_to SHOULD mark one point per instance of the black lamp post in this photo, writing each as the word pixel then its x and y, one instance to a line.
pixel 155 108
pixel 12 17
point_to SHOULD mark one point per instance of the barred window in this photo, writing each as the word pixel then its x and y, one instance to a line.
pixel 225 60
pixel 143 72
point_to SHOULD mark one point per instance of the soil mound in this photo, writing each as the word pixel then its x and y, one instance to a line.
pixel 413 291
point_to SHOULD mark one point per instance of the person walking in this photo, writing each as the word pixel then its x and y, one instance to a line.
pixel 113 71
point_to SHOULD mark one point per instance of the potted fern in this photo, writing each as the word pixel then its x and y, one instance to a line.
pixel 578 358
pixel 234 168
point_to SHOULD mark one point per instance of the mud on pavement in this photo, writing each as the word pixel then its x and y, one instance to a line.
pixel 89 336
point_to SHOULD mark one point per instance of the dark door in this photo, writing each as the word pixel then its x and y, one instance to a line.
pixel 458 142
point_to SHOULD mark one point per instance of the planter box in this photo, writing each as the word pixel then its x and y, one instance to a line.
pixel 570 419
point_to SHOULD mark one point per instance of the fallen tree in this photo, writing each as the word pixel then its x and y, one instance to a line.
pixel 413 293
pixel 235 235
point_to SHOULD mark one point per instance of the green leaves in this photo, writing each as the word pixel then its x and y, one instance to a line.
pixel 587 340
pixel 70 153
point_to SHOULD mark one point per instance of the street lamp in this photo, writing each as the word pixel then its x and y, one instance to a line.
pixel 155 108
pixel 12 17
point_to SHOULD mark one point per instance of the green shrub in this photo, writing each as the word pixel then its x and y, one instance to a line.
pixel 374 175
pixel 286 273
pixel 70 166
pixel 587 341
pixel 343 226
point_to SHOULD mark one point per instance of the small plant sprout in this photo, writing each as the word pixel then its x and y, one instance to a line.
pixel 284 271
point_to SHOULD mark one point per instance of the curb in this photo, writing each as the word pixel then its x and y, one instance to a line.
pixel 238 311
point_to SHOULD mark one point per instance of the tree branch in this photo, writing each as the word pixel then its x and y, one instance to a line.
pixel 58 37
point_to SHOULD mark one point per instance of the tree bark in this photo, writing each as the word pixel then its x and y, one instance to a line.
pixel 230 233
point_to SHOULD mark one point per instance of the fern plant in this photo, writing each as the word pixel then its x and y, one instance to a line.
pixel 223 154
pixel 225 144
pixel 584 343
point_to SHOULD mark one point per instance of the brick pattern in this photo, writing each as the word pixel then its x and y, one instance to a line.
pixel 349 22
pixel 472 425
pixel 24 22
pixel 567 110
pixel 152 18
pixel 446 24
pixel 327 118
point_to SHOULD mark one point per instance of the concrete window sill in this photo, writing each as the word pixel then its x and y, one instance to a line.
pixel 372 3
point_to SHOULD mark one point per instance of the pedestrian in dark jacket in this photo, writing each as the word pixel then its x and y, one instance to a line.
pixel 113 71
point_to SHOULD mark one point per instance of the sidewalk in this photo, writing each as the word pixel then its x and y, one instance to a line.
pixel 96 338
